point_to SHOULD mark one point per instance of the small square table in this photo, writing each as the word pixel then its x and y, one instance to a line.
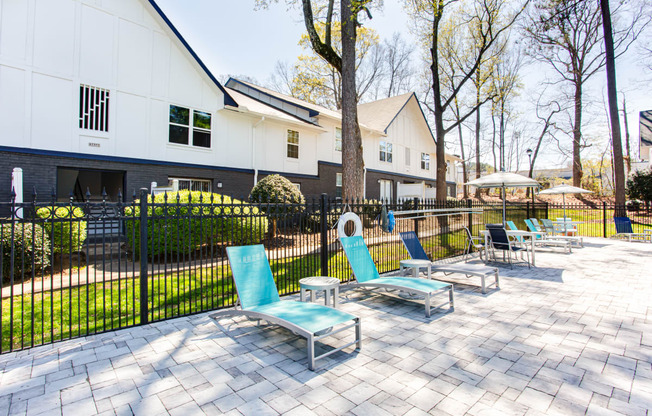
pixel 316 283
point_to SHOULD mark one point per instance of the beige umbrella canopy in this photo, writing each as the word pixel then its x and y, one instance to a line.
pixel 563 190
pixel 504 180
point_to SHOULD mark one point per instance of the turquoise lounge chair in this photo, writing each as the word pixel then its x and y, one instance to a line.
pixel 366 275
pixel 416 251
pixel 258 298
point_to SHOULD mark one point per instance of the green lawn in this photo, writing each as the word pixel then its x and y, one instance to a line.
pixel 78 311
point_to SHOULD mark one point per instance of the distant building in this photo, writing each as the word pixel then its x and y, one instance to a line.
pixel 645 140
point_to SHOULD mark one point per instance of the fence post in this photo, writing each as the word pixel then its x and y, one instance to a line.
pixel 144 306
pixel 416 220
pixel 527 210
pixel 547 213
pixel 604 219
pixel 323 208
pixel 469 204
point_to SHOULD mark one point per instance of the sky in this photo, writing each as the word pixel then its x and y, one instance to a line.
pixel 232 38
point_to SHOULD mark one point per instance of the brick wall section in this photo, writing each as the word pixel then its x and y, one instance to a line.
pixel 41 172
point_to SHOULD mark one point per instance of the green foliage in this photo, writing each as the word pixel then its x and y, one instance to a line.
pixel 189 220
pixel 278 190
pixel 31 250
pixel 66 228
pixel 639 186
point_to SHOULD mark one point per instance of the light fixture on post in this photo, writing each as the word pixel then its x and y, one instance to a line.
pixel 529 155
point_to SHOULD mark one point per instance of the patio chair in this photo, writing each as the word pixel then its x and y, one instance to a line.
pixel 551 231
pixel 366 275
pixel 259 299
pixel 624 229
pixel 501 241
pixel 416 251
pixel 471 243
pixel 513 227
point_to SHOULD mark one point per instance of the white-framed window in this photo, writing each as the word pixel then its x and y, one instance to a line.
pixel 298 185
pixel 202 185
pixel 385 189
pixel 338 139
pixel 293 144
pixel 93 108
pixel 181 126
pixel 338 185
pixel 425 161
pixel 407 156
pixel 385 151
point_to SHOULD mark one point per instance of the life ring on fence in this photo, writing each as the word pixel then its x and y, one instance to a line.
pixel 345 218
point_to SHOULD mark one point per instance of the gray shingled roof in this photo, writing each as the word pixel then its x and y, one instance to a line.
pixel 379 114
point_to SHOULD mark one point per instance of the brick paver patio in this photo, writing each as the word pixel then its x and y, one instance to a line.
pixel 571 336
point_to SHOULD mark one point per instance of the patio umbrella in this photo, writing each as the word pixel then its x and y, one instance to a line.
pixel 563 190
pixel 504 180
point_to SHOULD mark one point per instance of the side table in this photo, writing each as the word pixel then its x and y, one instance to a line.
pixel 316 283
pixel 415 265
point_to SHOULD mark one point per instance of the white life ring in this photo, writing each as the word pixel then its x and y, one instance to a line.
pixel 346 217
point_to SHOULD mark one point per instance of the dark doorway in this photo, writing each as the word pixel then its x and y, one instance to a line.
pixel 81 181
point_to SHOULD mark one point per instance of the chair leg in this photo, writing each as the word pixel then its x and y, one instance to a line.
pixel 311 352
pixel 451 297
pixel 426 300
pixel 358 333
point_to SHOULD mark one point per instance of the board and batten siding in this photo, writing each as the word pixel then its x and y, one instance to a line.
pixel 48 48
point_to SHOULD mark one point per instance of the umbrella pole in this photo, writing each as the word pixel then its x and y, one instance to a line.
pixel 563 196
pixel 503 191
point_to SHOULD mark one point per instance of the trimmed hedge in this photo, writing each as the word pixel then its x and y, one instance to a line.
pixel 279 191
pixel 31 246
pixel 182 224
pixel 67 231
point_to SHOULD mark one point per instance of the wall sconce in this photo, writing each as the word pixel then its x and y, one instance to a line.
pixel 219 184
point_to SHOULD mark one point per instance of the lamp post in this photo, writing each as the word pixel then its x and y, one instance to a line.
pixel 529 155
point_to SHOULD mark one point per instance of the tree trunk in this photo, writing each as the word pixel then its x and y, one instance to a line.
pixel 478 168
pixel 577 135
pixel 439 110
pixel 628 157
pixel 465 174
pixel 502 136
pixel 619 171
pixel 493 141
pixel 352 167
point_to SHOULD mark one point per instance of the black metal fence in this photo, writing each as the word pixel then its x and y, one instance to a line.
pixel 75 269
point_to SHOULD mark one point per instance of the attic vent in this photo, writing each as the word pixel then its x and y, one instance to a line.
pixel 93 108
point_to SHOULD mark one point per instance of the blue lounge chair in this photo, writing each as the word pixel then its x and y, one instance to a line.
pixel 416 251
pixel 624 229
pixel 258 298
pixel 366 275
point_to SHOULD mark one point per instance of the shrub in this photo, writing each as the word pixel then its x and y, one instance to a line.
pixel 31 245
pixel 278 190
pixel 182 222
pixel 65 226
pixel 639 186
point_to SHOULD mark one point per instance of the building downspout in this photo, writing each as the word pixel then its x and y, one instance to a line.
pixel 364 182
pixel 253 149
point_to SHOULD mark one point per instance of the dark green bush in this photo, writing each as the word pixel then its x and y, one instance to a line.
pixel 279 191
pixel 182 225
pixel 31 246
pixel 66 228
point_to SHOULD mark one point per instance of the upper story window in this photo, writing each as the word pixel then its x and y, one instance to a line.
pixel 407 156
pixel 93 108
pixel 180 127
pixel 425 161
pixel 293 144
pixel 385 151
pixel 338 139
